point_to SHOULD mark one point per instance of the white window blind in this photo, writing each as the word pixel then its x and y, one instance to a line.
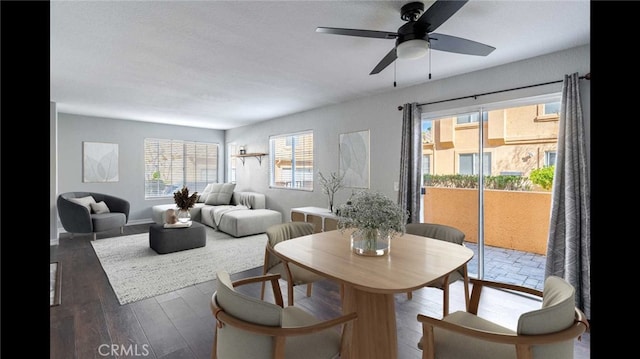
pixel 172 164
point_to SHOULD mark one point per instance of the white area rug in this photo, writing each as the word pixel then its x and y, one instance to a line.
pixel 136 271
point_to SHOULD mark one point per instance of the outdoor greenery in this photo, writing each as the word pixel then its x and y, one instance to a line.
pixel 543 177
pixel 369 212
pixel 502 182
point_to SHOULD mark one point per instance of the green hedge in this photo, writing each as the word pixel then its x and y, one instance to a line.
pixel 503 182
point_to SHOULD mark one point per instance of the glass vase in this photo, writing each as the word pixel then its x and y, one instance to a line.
pixel 370 243
pixel 184 215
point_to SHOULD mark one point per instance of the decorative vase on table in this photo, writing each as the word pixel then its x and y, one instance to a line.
pixel 370 243
pixel 184 215
pixel 375 218
pixel 184 202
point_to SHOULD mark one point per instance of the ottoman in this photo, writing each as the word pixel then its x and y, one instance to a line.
pixel 168 240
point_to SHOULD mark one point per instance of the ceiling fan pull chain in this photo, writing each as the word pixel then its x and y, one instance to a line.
pixel 429 49
pixel 394 73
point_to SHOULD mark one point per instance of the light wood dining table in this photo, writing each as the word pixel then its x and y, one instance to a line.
pixel 369 283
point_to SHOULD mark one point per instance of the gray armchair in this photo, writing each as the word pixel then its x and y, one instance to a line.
pixel 92 212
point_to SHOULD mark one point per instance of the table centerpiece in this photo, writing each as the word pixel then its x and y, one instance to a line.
pixel 376 220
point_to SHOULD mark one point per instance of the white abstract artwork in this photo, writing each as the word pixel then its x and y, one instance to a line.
pixel 354 159
pixel 100 162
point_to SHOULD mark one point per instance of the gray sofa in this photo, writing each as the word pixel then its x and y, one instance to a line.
pixel 92 212
pixel 245 214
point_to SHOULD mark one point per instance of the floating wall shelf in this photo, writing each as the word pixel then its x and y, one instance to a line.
pixel 258 156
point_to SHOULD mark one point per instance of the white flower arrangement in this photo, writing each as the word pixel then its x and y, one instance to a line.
pixel 372 212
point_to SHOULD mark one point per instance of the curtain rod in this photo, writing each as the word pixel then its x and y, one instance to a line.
pixel 587 77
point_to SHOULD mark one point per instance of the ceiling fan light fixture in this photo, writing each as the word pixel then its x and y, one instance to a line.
pixel 412 49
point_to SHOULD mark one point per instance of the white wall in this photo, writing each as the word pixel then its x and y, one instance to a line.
pixel 380 115
pixel 53 173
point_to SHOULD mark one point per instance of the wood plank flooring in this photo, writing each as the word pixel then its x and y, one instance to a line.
pixel 90 323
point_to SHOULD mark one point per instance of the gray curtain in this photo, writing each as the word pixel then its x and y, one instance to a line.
pixel 569 244
pixel 411 162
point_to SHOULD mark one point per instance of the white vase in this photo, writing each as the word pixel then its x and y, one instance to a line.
pixel 370 243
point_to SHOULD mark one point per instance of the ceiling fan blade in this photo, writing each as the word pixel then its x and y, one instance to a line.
pixel 357 32
pixel 458 45
pixel 386 61
pixel 439 12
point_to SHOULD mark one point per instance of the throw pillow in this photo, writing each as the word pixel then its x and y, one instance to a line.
pixel 84 201
pixel 99 207
pixel 202 197
pixel 220 194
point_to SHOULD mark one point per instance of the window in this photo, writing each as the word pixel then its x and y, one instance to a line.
pixel 551 108
pixel 550 158
pixel 469 164
pixel 172 164
pixel 291 158
pixel 232 149
pixel 472 117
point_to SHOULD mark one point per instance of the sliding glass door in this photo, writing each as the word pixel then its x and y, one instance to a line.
pixel 486 172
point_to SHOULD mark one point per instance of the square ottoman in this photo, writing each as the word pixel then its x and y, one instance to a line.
pixel 168 240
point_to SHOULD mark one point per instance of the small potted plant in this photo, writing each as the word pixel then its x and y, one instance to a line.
pixel 376 220
pixel 184 202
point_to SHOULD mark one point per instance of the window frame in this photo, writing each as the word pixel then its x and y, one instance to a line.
pixel 290 140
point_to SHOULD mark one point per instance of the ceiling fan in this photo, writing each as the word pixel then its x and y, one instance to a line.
pixel 414 38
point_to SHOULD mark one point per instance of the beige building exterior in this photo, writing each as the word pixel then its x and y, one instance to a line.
pixel 516 140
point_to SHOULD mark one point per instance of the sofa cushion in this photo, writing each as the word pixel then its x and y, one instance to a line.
pixel 85 201
pixel 220 194
pixel 205 193
pixel 99 207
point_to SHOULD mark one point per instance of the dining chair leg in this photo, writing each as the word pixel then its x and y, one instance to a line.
pixel 409 295
pixel 290 293
pixel 309 285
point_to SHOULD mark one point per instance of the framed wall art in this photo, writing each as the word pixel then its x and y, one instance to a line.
pixel 354 159
pixel 100 162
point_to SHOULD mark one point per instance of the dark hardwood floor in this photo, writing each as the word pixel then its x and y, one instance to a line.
pixel 90 323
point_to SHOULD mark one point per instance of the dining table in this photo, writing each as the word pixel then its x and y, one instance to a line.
pixel 369 283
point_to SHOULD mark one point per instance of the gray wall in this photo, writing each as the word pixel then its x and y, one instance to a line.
pixel 376 113
pixel 380 115
pixel 53 173
pixel 129 135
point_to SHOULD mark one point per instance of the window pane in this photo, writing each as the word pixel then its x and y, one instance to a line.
pixel 291 161
pixel 552 108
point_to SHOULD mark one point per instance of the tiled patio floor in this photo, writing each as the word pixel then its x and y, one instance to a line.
pixel 509 266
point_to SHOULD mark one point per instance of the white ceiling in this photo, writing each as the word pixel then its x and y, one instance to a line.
pixel 224 64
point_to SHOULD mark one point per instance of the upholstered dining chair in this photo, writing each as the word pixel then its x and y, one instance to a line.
pixel 293 274
pixel 545 333
pixel 450 234
pixel 247 327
